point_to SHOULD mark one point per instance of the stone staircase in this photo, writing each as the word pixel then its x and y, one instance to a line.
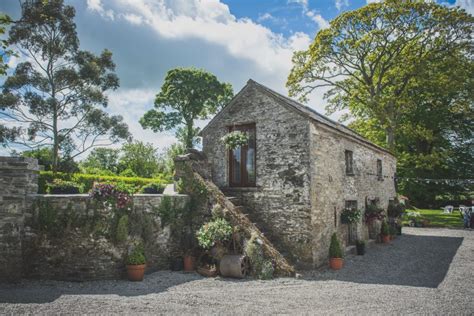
pixel 192 167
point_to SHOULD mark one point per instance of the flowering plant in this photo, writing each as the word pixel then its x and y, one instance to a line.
pixel 111 194
pixel 373 212
pixel 235 139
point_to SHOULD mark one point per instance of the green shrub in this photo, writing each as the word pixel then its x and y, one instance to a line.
pixel 217 230
pixel 58 186
pixel 261 268
pixel 335 250
pixel 128 173
pixel 87 180
pixel 122 229
pixel 152 188
pixel 385 228
pixel 395 209
pixel 137 256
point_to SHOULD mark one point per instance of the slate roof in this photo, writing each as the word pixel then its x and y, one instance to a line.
pixel 303 110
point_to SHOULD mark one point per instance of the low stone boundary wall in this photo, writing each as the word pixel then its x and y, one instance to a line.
pixel 74 237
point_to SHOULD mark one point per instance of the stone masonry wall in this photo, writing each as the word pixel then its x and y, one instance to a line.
pixel 71 237
pixel 280 202
pixel 18 177
pixel 331 187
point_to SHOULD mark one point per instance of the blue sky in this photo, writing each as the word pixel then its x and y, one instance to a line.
pixel 234 39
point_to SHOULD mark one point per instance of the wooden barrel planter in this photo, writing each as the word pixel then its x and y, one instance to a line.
pixel 234 266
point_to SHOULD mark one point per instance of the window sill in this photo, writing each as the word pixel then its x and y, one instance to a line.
pixel 242 189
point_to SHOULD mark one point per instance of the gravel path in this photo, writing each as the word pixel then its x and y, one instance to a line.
pixel 425 271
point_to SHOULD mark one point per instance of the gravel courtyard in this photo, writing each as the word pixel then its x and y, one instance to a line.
pixel 425 271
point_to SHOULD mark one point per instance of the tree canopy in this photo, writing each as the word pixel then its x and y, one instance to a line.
pixel 55 95
pixel 370 57
pixel 187 94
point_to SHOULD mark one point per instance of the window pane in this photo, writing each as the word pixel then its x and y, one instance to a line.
pixel 250 159
pixel 236 162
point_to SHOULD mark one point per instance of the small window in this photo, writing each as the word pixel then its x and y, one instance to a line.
pixel 351 205
pixel 349 163
pixel 379 169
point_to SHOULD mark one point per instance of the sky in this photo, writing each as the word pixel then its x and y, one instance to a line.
pixel 234 39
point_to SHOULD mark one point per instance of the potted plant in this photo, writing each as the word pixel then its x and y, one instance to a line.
pixel 385 232
pixel 393 232
pixel 350 216
pixel 189 261
pixel 335 253
pixel 360 246
pixel 136 264
pixel 213 234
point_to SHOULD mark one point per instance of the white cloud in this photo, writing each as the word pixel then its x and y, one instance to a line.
pixel 318 19
pixel 264 17
pixel 341 3
pixel 372 1
pixel 96 6
pixel 132 18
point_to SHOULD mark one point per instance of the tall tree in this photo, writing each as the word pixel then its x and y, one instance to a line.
pixel 55 95
pixel 140 158
pixel 186 95
pixel 7 133
pixel 100 159
pixel 369 57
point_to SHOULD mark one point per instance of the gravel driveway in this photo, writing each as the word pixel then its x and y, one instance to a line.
pixel 425 271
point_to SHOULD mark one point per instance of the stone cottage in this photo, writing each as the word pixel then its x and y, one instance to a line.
pixel 298 172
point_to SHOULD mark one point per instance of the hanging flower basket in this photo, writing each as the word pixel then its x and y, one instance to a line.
pixel 235 139
pixel 350 216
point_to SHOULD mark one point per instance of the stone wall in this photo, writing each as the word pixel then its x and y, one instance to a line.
pixel 18 177
pixel 331 187
pixel 72 237
pixel 280 202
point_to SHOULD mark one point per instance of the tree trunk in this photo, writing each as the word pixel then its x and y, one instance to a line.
pixel 390 134
pixel 189 134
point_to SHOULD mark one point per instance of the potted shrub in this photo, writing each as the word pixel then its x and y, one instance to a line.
pixel 360 246
pixel 335 253
pixel 213 234
pixel 393 232
pixel 385 232
pixel 136 264
pixel 350 216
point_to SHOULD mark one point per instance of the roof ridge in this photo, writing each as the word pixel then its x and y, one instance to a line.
pixel 317 116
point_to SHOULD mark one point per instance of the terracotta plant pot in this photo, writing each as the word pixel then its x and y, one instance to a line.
pixel 189 263
pixel 135 272
pixel 207 272
pixel 336 263
pixel 386 239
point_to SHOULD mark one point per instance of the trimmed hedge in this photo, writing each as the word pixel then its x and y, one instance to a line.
pixel 87 180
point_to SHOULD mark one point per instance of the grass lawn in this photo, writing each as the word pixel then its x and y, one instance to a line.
pixel 438 219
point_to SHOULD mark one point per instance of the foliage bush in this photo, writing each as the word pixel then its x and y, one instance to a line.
pixel 335 250
pixel 395 209
pixel 217 230
pixel 260 267
pixel 59 186
pixel 137 256
pixel 87 180
pixel 114 196
pixel 350 216
pixel 152 188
